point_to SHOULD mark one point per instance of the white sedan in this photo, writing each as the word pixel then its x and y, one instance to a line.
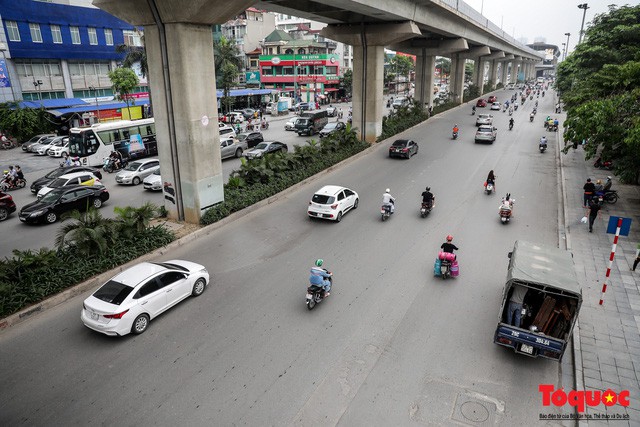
pixel 132 298
pixel 290 124
pixel 332 202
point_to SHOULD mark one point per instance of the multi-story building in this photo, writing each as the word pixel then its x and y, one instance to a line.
pixel 307 70
pixel 551 54
pixel 56 50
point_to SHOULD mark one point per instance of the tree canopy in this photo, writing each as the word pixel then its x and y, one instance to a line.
pixel 227 64
pixel 124 81
pixel 599 84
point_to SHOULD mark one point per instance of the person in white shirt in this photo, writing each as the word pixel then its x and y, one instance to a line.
pixel 388 200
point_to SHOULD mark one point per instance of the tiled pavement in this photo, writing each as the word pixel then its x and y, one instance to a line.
pixel 609 335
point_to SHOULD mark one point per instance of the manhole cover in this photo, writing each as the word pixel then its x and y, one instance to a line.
pixel 474 411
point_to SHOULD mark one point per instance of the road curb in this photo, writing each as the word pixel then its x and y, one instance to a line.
pixel 95 281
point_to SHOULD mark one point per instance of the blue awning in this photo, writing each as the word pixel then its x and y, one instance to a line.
pixel 53 103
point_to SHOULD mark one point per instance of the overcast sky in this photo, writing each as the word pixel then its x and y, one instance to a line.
pixel 544 19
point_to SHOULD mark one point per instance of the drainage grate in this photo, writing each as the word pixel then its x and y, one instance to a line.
pixel 472 411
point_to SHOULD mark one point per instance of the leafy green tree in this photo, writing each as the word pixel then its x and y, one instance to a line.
pixel 88 231
pixel 23 123
pixel 134 54
pixel 444 65
pixel 600 86
pixel 124 81
pixel 346 81
pixel 227 62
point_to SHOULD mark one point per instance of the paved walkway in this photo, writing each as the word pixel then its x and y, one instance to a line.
pixel 608 356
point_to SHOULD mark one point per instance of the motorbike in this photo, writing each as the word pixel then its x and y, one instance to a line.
pixel 385 212
pixel 264 125
pixel 531 117
pixel 542 147
pixel 600 164
pixel 543 94
pixel 515 107
pixel 109 165
pixel 552 128
pixel 473 112
pixel 609 196
pixel 510 112
pixel 506 209
pixel 446 265
pixel 19 183
pixel 425 208
pixel 510 125
pixel 489 188
pixel 316 293
pixel 454 135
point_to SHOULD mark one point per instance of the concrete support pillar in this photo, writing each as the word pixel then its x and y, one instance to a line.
pixel 478 74
pixel 186 117
pixel 425 68
pixel 368 71
pixel 493 74
pixel 457 78
pixel 505 72
pixel 66 77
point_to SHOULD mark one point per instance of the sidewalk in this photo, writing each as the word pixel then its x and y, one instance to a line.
pixel 608 356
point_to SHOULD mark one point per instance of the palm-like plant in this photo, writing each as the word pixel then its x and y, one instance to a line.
pixel 135 220
pixel 134 54
pixel 227 63
pixel 88 232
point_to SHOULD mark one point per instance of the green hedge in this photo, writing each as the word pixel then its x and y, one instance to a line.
pixel 402 119
pixel 31 276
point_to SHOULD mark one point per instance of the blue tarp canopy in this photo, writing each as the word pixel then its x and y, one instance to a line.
pixel 92 107
pixel 53 103
pixel 245 92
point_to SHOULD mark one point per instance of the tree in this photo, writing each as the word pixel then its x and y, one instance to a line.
pixel 134 54
pixel 23 123
pixel 124 81
pixel 346 81
pixel 600 87
pixel 88 232
pixel 227 64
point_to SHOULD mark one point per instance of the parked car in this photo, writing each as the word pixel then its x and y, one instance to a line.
pixel 248 113
pixel 59 150
pixel 332 111
pixel 302 106
pixel 486 134
pixel 7 205
pixel 265 148
pixel 61 200
pixel 231 147
pixel 403 148
pixel 35 140
pixel 227 131
pixel 332 202
pixel 481 103
pixel 484 119
pixel 43 148
pixel 400 101
pixel 129 300
pixel 492 98
pixel 496 106
pixel 82 178
pixel 290 124
pixel 251 138
pixel 137 170
pixel 331 127
pixel 153 182
pixel 58 172
pixel 235 117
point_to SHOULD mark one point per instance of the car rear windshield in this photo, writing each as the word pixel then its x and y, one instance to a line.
pixel 400 143
pixel 113 292
pixel 484 129
pixel 56 173
pixel 323 199
pixel 57 183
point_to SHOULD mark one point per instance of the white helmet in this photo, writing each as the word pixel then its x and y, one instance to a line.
pixel 387 191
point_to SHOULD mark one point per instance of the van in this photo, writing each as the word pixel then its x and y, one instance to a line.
pixel 311 122
pixel 542 283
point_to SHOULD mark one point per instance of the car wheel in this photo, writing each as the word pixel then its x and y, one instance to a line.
pixel 140 324
pixel 238 152
pixel 198 287
pixel 97 203
pixel 4 213
pixel 136 181
pixel 339 217
pixel 51 217
pixel 355 204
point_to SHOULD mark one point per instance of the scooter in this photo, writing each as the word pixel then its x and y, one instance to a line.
pixel 425 208
pixel 316 293
pixel 445 265
pixel 542 147
pixel 264 125
pixel 473 112
pixel 454 135
pixel 608 165
pixel 609 196
pixel 110 166
pixel 488 188
pixel 531 117
pixel 19 183
pixel 505 209
pixel 510 125
pixel 385 212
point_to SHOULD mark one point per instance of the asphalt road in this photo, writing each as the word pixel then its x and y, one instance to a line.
pixel 392 345
pixel 16 235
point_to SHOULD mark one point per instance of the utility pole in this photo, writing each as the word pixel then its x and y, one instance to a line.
pixel 583 6
pixel 95 93
pixel 566 51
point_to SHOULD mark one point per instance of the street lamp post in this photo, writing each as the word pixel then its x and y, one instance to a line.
pixel 564 47
pixel 583 6
pixel 95 93
pixel 37 84
pixel 566 50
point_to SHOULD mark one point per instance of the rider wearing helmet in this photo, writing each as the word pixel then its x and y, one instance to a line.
pixel 543 140
pixel 427 196
pixel 320 277
pixel 388 200
pixel 455 128
pixel 448 246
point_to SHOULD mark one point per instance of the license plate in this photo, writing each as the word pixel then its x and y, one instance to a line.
pixel 526 348
pixel 94 316
pixel 309 296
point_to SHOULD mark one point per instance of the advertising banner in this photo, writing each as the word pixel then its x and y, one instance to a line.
pixel 4 74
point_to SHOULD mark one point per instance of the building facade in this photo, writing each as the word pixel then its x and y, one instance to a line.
pixel 57 50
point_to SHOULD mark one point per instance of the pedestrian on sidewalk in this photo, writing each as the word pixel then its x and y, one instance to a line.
pixel 589 189
pixel 594 209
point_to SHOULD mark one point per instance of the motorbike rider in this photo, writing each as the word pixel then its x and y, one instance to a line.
pixel 510 110
pixel 607 185
pixel 511 121
pixel 473 110
pixel 388 200
pixel 116 158
pixel 556 123
pixel 320 277
pixel 19 174
pixel 10 176
pixel 543 141
pixel 455 128
pixel 427 197
pixel 75 161
pixel 448 246
pixel 508 202
pixel 491 179
pixel 531 117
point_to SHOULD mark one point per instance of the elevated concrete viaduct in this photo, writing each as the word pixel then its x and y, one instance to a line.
pixel 182 79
